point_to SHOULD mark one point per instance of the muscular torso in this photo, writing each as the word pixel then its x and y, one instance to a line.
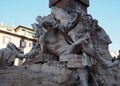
pixel 56 43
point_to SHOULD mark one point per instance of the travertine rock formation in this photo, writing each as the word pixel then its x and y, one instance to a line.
pixel 71 50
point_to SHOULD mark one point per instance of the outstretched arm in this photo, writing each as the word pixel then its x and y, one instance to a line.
pixel 43 44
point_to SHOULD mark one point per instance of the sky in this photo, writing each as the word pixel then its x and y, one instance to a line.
pixel 24 12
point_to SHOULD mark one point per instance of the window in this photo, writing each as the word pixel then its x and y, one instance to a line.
pixel 22 43
pixel 30 44
pixel 6 39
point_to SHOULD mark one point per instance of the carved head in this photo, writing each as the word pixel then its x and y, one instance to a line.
pixel 39 19
pixel 49 24
pixel 38 29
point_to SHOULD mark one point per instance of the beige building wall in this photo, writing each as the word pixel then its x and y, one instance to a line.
pixel 10 38
pixel 15 37
pixel 7 35
pixel 28 46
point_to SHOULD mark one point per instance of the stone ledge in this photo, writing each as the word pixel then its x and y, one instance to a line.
pixel 70 57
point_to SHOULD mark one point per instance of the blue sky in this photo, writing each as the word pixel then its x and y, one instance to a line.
pixel 108 14
pixel 24 12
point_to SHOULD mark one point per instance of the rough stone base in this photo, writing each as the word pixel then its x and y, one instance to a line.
pixel 33 75
pixel 48 74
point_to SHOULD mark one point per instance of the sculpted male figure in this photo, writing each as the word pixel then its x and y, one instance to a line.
pixel 57 41
pixel 8 55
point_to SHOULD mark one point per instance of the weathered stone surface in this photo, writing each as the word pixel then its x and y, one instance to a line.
pixel 73 60
pixel 86 2
pixel 80 47
pixel 70 57
pixel 74 64
pixel 61 71
pixel 64 4
pixel 45 74
pixel 39 58
pixel 34 75
pixel 61 15
pixel 59 3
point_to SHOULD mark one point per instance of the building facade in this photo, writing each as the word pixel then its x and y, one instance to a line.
pixel 21 36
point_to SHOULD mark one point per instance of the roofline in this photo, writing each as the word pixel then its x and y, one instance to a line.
pixel 17 35
pixel 23 27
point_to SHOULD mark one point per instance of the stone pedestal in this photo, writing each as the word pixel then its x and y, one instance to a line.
pixel 69 3
pixel 34 75
pixel 72 60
